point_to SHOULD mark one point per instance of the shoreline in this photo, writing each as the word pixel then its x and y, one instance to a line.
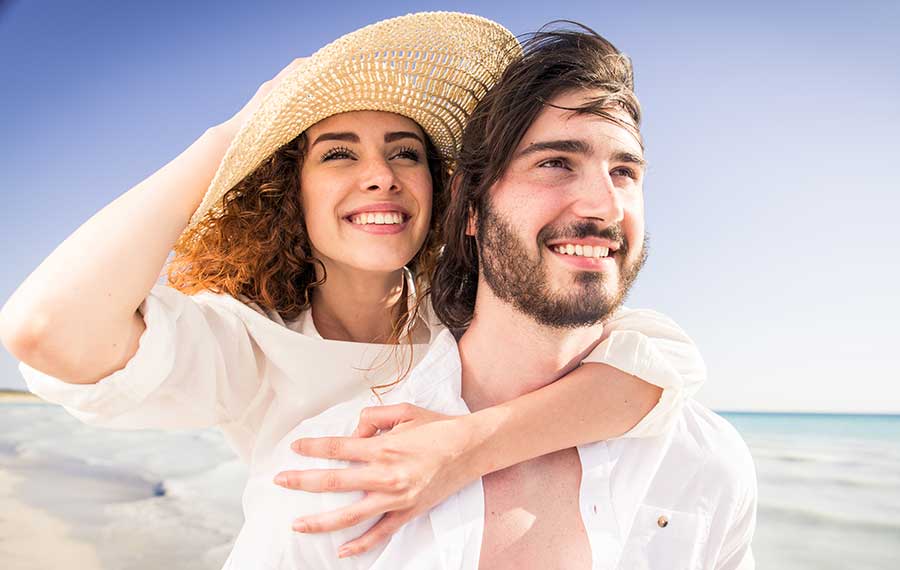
pixel 15 396
pixel 33 539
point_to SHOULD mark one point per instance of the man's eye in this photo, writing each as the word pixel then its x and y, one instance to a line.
pixel 554 163
pixel 624 171
pixel 336 153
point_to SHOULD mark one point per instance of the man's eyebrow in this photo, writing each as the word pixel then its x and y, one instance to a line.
pixel 629 157
pixel 575 146
pixel 398 135
pixel 578 146
pixel 348 137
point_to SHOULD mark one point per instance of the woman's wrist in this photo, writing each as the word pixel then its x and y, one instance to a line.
pixel 480 442
pixel 221 134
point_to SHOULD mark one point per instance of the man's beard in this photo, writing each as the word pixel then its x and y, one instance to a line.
pixel 523 282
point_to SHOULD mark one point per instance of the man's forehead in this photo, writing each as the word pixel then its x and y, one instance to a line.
pixel 575 98
pixel 561 120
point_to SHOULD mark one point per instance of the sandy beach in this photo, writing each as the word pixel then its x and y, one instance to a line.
pixel 31 539
pixel 75 496
pixel 18 397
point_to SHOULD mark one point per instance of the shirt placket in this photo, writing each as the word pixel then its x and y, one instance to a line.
pixel 458 525
pixel 597 512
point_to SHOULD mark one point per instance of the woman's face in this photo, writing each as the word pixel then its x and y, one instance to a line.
pixel 366 191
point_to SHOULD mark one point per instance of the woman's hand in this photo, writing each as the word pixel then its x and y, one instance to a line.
pixel 418 459
pixel 230 127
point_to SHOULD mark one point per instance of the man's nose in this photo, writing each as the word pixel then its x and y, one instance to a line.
pixel 379 175
pixel 599 198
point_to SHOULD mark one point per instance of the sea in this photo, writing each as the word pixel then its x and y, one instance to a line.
pixel 829 488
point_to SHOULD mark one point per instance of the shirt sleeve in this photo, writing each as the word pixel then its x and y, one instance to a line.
pixel 195 366
pixel 736 553
pixel 651 346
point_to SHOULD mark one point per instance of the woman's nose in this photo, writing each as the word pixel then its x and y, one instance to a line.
pixel 379 175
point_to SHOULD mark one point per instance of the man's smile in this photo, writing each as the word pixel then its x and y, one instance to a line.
pixel 580 250
pixel 589 253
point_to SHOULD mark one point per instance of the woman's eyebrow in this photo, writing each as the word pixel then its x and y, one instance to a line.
pixel 397 135
pixel 347 137
pixel 354 138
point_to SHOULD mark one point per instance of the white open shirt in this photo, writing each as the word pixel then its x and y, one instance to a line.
pixel 210 359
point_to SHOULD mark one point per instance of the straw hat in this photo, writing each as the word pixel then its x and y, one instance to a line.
pixel 432 67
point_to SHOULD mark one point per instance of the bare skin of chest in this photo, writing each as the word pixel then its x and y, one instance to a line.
pixel 532 516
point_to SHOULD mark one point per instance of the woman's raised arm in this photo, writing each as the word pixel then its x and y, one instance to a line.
pixel 75 317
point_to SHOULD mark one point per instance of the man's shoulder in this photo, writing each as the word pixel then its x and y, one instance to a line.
pixel 708 426
pixel 699 439
pixel 713 442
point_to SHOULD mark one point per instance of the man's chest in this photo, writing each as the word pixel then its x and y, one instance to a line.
pixel 533 516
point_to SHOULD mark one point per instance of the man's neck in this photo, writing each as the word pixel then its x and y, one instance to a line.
pixel 506 353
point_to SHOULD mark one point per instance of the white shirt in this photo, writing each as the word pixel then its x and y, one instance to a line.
pixel 699 476
pixel 211 360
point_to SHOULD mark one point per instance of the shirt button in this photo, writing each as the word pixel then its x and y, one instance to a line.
pixel 595 509
pixel 662 521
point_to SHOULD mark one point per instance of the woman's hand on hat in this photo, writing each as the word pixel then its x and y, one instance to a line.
pixel 417 461
pixel 233 125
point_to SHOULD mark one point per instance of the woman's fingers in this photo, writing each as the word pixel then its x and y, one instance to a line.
pixel 268 85
pixel 344 448
pixel 298 61
pixel 381 418
pixel 339 480
pixel 383 530
pixel 370 507
pixel 236 121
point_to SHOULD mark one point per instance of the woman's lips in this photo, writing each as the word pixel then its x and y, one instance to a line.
pixel 379 218
pixel 380 223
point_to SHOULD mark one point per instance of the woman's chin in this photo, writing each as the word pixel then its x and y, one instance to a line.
pixel 373 265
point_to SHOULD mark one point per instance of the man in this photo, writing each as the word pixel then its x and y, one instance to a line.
pixel 545 235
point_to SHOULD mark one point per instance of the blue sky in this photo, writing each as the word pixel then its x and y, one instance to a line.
pixel 771 128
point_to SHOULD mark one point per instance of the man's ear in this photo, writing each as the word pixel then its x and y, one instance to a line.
pixel 472 222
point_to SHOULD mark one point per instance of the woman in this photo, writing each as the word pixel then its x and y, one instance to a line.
pixel 291 307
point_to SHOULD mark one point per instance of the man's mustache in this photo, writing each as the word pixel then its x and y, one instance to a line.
pixel 581 230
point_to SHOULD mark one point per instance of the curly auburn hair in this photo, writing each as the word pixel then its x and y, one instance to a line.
pixel 256 248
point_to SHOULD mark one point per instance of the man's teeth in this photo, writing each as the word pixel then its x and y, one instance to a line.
pixel 581 250
pixel 377 218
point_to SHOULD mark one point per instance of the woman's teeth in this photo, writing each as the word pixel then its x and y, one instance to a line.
pixel 377 218
pixel 595 251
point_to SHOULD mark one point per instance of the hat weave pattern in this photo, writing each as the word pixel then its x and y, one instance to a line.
pixel 431 67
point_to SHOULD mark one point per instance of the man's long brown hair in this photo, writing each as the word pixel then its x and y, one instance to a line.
pixel 554 61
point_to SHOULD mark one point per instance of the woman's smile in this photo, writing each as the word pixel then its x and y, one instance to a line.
pixel 380 218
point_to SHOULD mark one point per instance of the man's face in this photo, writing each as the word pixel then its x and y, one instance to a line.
pixel 561 236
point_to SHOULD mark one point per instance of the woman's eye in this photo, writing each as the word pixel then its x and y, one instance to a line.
pixel 337 153
pixel 408 153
